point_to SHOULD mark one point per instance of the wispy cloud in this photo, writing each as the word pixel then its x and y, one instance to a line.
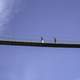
pixel 5 10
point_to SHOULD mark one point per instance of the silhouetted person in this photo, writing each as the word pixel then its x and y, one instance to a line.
pixel 55 40
pixel 42 40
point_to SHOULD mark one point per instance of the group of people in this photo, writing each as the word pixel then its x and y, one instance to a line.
pixel 42 40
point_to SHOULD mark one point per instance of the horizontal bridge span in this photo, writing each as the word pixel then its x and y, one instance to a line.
pixel 39 44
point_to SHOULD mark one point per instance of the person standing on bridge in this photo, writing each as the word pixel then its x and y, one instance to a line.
pixel 55 40
pixel 42 40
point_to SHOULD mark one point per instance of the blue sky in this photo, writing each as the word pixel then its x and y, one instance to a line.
pixel 29 20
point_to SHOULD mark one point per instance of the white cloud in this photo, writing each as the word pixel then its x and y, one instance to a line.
pixel 5 10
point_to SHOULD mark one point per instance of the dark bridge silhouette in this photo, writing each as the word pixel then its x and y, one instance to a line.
pixel 39 44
